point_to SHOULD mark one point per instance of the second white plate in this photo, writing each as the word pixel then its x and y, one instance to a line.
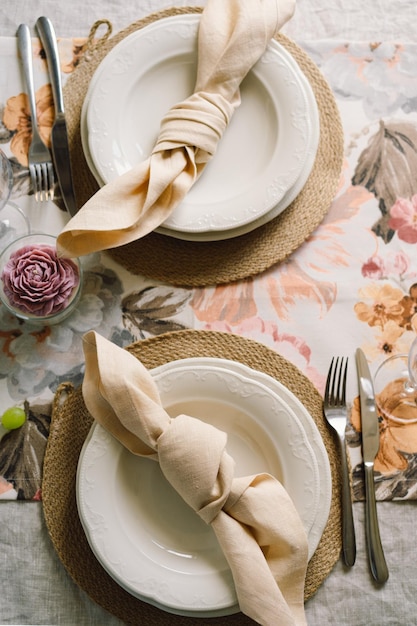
pixel 261 155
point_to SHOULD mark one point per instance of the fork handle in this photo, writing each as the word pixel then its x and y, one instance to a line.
pixel 25 49
pixel 348 527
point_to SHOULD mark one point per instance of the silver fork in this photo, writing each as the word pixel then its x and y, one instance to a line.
pixel 335 412
pixel 40 162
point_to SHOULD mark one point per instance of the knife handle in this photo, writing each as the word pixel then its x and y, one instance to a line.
pixel 49 44
pixel 348 527
pixel 376 556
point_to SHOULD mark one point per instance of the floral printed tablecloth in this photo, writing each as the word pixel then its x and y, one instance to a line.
pixel 352 284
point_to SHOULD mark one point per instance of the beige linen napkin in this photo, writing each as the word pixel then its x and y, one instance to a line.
pixel 233 35
pixel 254 519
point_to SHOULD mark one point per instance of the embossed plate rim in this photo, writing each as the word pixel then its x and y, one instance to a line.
pixel 97 534
pixel 273 182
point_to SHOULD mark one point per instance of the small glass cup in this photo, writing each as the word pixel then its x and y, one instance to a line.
pixel 6 179
pixel 36 285
pixel 13 224
pixel 395 390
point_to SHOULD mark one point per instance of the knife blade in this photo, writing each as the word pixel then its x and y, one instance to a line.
pixel 59 134
pixel 370 447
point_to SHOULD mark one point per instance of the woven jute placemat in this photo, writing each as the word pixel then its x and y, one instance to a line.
pixel 197 264
pixel 71 423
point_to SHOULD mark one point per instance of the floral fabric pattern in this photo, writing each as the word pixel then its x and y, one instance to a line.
pixel 17 120
pixel 352 284
pixel 22 453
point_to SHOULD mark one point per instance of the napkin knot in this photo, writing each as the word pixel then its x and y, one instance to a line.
pixel 198 121
pixel 193 458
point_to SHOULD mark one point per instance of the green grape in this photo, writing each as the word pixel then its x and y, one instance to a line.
pixel 13 418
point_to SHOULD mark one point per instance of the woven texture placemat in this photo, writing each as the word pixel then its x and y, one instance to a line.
pixel 71 423
pixel 197 264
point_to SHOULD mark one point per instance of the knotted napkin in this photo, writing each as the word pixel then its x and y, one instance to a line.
pixel 253 517
pixel 233 35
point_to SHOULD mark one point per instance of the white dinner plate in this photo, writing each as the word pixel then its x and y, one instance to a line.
pixel 311 145
pixel 313 434
pixel 140 529
pixel 261 155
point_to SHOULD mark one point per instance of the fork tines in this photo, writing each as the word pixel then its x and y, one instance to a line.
pixel 335 392
pixel 43 180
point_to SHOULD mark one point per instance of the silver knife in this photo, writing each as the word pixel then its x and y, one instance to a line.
pixel 370 447
pixel 59 136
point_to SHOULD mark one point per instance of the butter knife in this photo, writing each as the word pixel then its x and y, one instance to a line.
pixel 59 135
pixel 370 447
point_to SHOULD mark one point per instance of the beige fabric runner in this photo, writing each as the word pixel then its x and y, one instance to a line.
pixel 70 425
pixel 195 264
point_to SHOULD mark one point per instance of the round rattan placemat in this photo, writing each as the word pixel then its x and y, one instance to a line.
pixel 197 264
pixel 71 423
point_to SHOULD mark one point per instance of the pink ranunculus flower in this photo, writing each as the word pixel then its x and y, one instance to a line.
pixel 404 219
pixel 374 268
pixel 37 282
